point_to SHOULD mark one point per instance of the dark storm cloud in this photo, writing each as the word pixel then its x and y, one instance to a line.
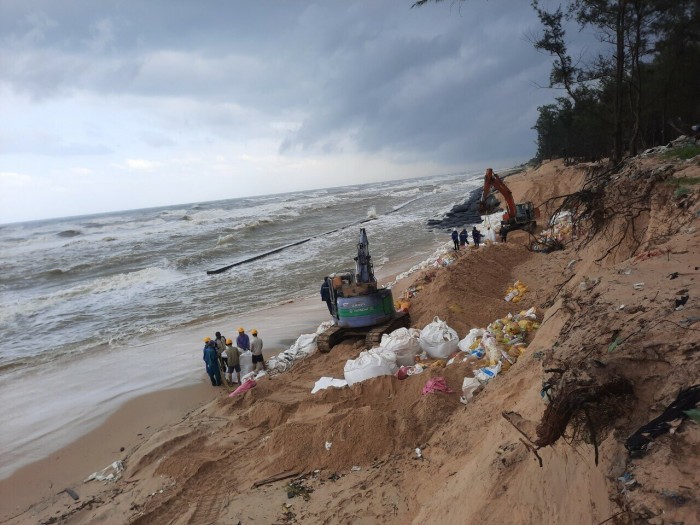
pixel 441 83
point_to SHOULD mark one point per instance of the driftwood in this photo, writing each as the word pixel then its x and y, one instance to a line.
pixel 277 477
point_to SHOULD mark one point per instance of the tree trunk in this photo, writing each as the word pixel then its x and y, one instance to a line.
pixel 619 77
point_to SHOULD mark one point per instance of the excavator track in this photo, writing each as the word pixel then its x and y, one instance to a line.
pixel 332 336
pixel 372 335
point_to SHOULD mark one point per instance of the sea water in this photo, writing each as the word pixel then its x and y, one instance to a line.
pixel 81 297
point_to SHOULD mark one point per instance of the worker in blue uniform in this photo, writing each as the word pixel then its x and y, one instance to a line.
pixel 211 359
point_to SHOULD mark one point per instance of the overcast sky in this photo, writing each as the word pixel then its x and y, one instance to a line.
pixel 119 104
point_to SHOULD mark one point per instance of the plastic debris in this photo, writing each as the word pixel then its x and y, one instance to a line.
pixel 356 468
pixel 516 292
pixel 419 453
pixel 245 386
pixel 638 286
pixel 469 386
pixel 487 373
pixel 111 472
pixel 436 384
pixel 329 444
pixel 328 382
pixel 674 414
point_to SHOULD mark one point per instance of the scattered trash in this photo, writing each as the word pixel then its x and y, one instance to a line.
pixel 470 340
pixel 674 414
pixel 555 237
pixel 487 373
pixel 689 321
pixel 625 271
pixel 673 275
pixel 627 480
pixel 329 444
pixel 638 286
pixel 419 453
pixel 693 414
pixel 436 384
pixel 245 386
pixel 298 488
pixel 109 473
pixel 71 493
pixel 621 307
pixel 328 382
pixel 356 468
pixel 516 292
pixel 469 386
pixel 678 499
pixel 588 284
pixel 681 300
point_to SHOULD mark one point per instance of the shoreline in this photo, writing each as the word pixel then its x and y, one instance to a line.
pixel 91 447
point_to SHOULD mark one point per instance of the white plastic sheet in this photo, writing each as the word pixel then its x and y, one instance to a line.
pixel 328 382
pixel 465 344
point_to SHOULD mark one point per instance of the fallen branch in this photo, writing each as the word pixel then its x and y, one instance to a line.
pixel 276 477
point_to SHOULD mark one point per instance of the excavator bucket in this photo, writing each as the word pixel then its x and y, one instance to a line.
pixel 490 205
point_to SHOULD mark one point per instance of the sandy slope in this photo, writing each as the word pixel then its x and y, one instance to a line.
pixel 476 467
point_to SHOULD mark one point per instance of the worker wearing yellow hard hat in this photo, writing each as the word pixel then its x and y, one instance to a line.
pixel 256 346
pixel 242 341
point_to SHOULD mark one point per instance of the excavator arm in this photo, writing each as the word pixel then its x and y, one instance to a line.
pixel 486 205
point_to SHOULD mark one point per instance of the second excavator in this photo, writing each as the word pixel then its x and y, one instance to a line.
pixel 521 216
pixel 358 306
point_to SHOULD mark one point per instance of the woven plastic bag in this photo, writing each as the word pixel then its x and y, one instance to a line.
pixel 438 340
pixel 404 342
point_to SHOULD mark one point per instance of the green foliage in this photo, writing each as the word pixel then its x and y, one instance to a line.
pixel 641 97
pixel 681 191
pixel 684 153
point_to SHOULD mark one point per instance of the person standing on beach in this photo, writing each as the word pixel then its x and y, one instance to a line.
pixel 256 346
pixel 242 341
pixel 220 341
pixel 211 359
pixel 455 238
pixel 476 235
pixel 234 363
pixel 464 237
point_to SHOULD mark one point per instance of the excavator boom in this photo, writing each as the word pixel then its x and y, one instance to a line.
pixel 487 204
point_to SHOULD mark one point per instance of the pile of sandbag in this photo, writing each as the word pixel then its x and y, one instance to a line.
pixel 516 292
pixel 304 346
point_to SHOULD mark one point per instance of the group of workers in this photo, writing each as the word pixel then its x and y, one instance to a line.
pixel 462 238
pixel 221 354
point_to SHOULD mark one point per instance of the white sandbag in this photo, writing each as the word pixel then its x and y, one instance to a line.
pixel 246 362
pixel 465 344
pixel 438 340
pixel 372 363
pixel 404 342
